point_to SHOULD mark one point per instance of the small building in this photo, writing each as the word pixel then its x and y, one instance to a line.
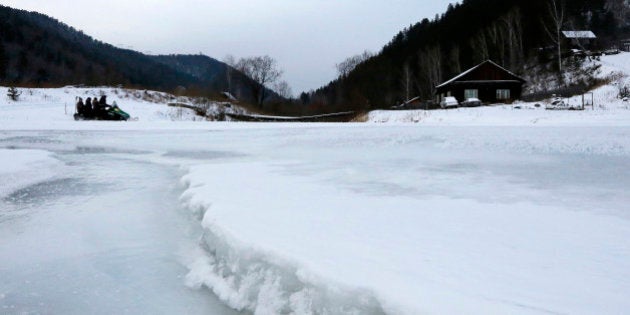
pixel 580 39
pixel 414 103
pixel 487 81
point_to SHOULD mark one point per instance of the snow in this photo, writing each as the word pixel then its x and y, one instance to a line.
pixel 492 210
pixel 579 34
pixel 46 109
pixel 476 224
pixel 519 114
pixel 608 110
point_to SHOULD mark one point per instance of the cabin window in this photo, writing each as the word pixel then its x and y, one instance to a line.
pixel 503 94
pixel 471 94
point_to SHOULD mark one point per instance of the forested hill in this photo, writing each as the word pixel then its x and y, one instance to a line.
pixel 36 50
pixel 508 32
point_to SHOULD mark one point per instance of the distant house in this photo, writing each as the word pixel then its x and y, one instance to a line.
pixel 487 81
pixel 414 103
pixel 580 39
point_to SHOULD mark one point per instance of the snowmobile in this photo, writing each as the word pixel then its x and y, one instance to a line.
pixel 100 112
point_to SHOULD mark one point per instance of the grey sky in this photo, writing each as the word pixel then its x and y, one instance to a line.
pixel 307 37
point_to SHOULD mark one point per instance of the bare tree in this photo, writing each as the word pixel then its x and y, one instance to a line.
pixel 516 19
pixel 263 71
pixel 479 47
pixel 556 14
pixel 454 62
pixel 407 80
pixel 345 67
pixel 430 64
pixel 619 9
pixel 509 40
pixel 283 89
pixel 495 36
pixel 502 40
pixel 230 62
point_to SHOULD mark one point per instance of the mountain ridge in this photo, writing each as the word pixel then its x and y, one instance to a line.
pixel 40 51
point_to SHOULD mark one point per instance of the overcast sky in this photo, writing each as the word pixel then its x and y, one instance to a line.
pixel 307 37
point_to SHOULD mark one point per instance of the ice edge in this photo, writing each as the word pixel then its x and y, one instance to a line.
pixel 250 279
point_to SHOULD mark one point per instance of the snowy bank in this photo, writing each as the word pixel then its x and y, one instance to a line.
pixel 256 273
pixel 608 111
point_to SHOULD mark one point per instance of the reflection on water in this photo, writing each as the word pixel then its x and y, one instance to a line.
pixel 104 150
pixel 25 201
pixel 46 191
pixel 30 140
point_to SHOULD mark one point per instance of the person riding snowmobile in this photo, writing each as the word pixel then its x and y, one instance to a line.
pixel 88 108
pixel 80 108
pixel 99 110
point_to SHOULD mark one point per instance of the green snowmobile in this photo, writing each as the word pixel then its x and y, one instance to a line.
pixel 99 111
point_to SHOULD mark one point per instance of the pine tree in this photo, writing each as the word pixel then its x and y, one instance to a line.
pixel 13 94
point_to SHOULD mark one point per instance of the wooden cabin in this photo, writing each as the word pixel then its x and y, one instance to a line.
pixel 487 81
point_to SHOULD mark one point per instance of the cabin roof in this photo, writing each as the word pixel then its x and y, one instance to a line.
pixel 579 34
pixel 463 74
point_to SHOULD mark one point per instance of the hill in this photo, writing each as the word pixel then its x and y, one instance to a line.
pixel 215 75
pixel 509 32
pixel 39 51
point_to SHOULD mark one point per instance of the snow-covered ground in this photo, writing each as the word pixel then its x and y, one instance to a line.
pixel 608 109
pixel 54 108
pixel 489 210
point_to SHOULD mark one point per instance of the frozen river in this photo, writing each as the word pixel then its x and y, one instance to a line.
pixel 338 219
pixel 104 236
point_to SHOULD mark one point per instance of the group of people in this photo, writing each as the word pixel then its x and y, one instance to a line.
pixel 92 107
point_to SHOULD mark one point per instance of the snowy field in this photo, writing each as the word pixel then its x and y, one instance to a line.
pixel 54 108
pixel 491 210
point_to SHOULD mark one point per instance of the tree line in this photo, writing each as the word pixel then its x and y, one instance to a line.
pixel 39 51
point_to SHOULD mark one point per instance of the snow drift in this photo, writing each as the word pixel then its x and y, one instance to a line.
pixel 253 276
pixel 277 243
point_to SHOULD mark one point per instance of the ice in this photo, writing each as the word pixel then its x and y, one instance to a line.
pixel 495 231
pixel 492 210
pixel 106 238
pixel 324 218
pixel 21 168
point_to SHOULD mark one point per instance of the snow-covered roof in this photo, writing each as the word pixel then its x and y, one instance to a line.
pixel 579 34
pixel 473 69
